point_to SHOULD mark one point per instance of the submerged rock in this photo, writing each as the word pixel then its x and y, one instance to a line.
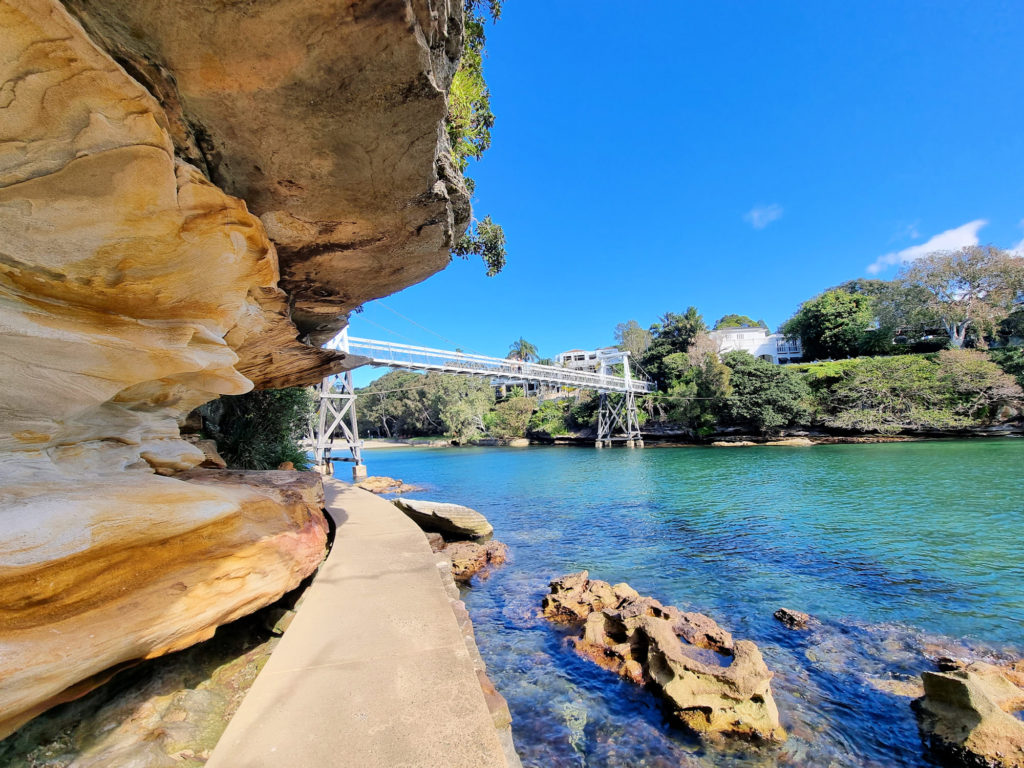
pixel 470 558
pixel 383 484
pixel 713 684
pixel 801 442
pixel 793 619
pixel 965 716
pixel 447 519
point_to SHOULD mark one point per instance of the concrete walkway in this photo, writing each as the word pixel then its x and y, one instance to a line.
pixel 373 670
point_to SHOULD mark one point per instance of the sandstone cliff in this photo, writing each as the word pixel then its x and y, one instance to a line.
pixel 153 171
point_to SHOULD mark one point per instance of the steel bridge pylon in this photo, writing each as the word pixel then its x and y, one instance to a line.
pixel 619 413
pixel 337 411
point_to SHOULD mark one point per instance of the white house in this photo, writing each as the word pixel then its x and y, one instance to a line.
pixel 588 359
pixel 758 341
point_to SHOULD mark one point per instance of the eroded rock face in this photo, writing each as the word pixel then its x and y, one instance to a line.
pixel 326 118
pixel 450 520
pixel 135 285
pixel 714 685
pixel 965 716
pixel 98 573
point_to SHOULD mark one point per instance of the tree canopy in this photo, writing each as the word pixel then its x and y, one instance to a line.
pixel 521 349
pixel 672 333
pixel 967 291
pixel 833 324
pixel 739 321
pixel 633 338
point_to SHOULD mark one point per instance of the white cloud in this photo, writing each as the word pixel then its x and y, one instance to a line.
pixel 760 216
pixel 950 240
pixel 1018 249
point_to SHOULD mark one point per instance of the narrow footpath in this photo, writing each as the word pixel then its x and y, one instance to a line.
pixel 373 671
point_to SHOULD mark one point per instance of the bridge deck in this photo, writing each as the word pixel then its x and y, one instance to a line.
pixel 394 355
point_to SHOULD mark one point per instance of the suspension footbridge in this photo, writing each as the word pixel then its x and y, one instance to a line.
pixel 617 415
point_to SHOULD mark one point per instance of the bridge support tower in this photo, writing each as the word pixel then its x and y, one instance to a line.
pixel 337 412
pixel 619 413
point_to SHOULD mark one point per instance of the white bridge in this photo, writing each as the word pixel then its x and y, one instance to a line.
pixel 617 416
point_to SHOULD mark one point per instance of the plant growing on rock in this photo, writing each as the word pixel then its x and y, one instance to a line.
pixel 469 124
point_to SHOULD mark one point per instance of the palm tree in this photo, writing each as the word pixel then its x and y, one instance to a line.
pixel 522 350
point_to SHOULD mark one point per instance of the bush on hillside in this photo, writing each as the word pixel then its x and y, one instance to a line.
pixel 262 429
pixel 765 396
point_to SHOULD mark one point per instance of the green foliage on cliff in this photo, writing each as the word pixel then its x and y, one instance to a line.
pixel 672 333
pixel 1011 360
pixel 949 390
pixel 765 396
pixel 469 124
pixel 261 429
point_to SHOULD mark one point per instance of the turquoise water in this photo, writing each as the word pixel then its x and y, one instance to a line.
pixel 902 550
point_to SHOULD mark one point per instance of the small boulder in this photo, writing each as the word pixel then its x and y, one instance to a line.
pixel 964 716
pixel 518 442
pixel 470 558
pixel 211 458
pixel 800 442
pixel 436 541
pixel 286 466
pixel 382 484
pixel 793 619
pixel 446 519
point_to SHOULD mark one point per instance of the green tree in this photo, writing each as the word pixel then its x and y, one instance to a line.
pixel 521 349
pixel 968 291
pixel 739 321
pixel 672 333
pixel 764 395
pixel 460 402
pixel 699 387
pixel 833 324
pixel 633 338
pixel 511 417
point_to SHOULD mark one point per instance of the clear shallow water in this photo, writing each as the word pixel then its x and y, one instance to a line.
pixel 900 549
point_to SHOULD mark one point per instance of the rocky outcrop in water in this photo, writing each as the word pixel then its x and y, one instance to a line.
pixel 965 715
pixel 450 520
pixel 381 484
pixel 793 619
pixel 712 683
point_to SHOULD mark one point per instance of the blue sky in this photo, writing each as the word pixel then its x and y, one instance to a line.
pixel 737 156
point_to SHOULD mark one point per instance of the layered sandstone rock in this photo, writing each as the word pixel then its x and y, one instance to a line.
pixel 135 285
pixel 450 520
pixel 97 573
pixel 325 117
pixel 714 685
pixel 965 715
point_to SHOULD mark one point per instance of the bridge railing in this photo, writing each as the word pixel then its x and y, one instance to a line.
pixel 446 361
